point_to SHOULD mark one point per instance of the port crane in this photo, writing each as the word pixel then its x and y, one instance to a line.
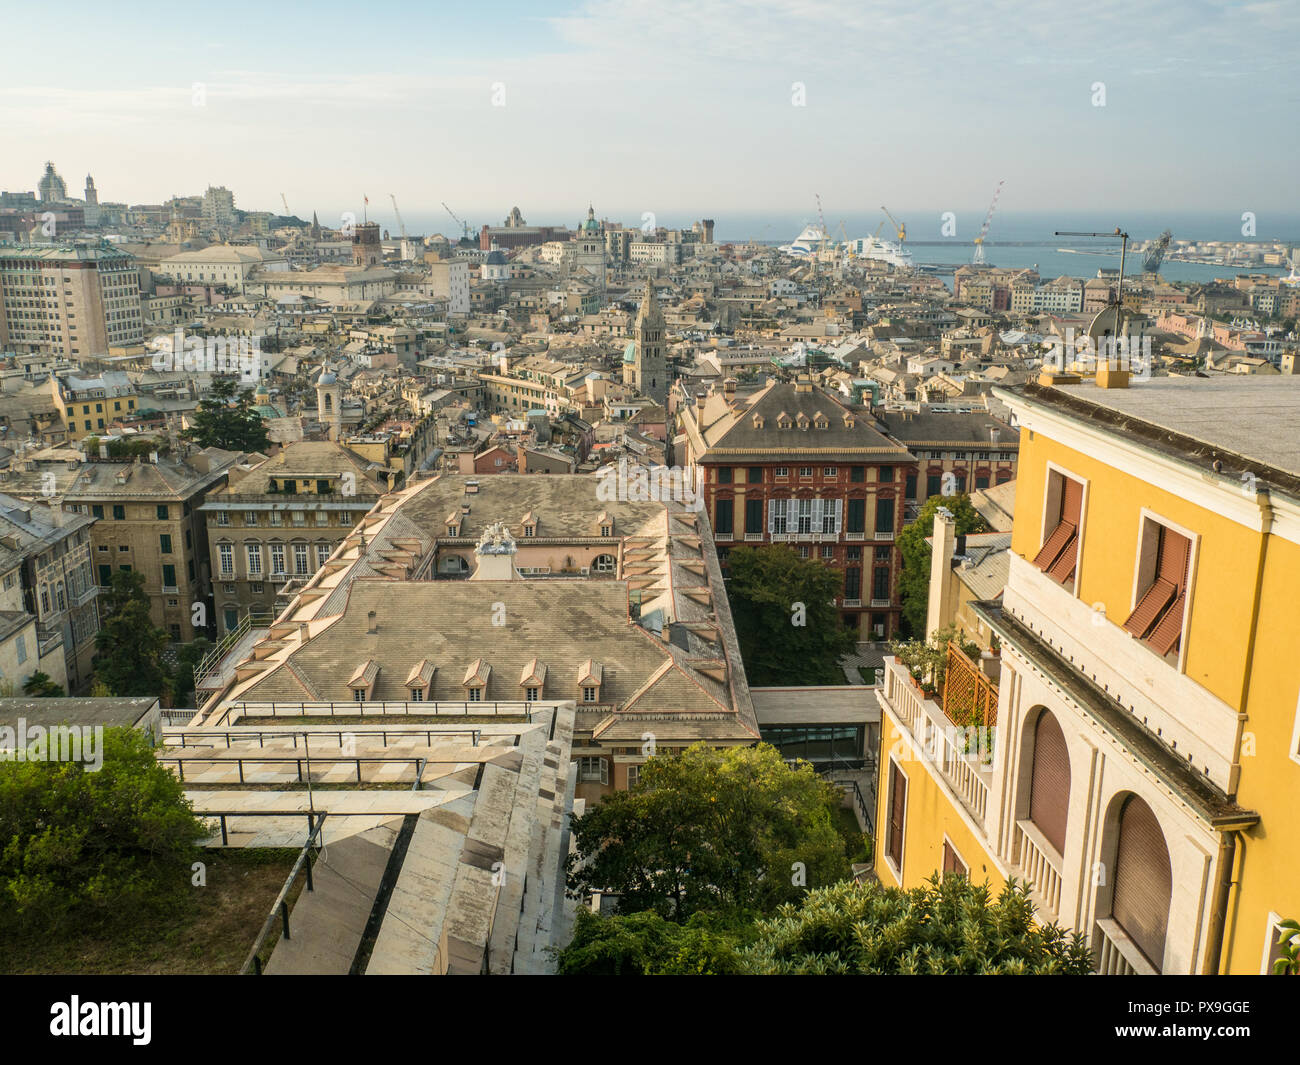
pixel 902 229
pixel 463 225
pixel 284 201
pixel 400 224
pixel 978 258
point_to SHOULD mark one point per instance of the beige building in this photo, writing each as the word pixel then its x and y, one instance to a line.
pixel 613 608
pixel 221 264
pixel 89 405
pixel 280 521
pixel 147 520
pixel 76 301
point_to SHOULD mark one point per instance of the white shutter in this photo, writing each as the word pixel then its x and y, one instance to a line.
pixel 839 516
pixel 772 504
pixel 817 515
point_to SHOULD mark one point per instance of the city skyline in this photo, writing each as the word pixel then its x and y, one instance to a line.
pixel 622 101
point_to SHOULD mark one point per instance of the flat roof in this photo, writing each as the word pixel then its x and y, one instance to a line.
pixel 109 712
pixel 1255 417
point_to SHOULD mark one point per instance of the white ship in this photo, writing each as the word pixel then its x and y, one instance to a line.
pixel 807 243
pixel 885 251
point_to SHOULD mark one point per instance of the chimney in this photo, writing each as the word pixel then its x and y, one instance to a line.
pixel 700 397
pixel 729 388
pixel 303 634
pixel 941 605
pixel 994 434
pixel 372 622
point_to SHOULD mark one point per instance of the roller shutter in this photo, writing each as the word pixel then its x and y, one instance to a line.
pixel 1143 880
pixel 1049 788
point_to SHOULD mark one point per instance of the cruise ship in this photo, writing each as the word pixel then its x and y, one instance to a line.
pixel 807 243
pixel 885 251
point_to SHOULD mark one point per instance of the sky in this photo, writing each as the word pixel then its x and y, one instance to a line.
pixel 679 108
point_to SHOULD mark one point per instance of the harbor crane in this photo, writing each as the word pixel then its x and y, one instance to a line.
pixel 902 229
pixel 978 258
pixel 400 224
pixel 284 201
pixel 463 225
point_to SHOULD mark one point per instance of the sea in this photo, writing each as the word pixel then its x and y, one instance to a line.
pixel 1016 239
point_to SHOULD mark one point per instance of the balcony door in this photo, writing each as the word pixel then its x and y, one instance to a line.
pixel 1143 880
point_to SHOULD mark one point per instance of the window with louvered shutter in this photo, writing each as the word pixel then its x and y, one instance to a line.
pixel 1158 616
pixel 951 862
pixel 1049 787
pixel 1060 550
pixel 1143 880
pixel 897 807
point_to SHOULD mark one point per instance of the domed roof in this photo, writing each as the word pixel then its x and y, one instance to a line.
pixel 629 352
pixel 495 258
pixel 327 378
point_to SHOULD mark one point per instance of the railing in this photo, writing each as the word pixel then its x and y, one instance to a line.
pixel 934 734
pixel 320 762
pixel 754 536
pixel 280 908
pixel 185 736
pixel 964 777
pixel 212 660
pixel 1034 856
pixel 378 709
pixel 1116 954
pixel 969 697
pixel 176 718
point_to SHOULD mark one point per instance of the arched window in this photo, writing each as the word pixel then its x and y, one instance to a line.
pixel 1143 879
pixel 1049 787
pixel 604 564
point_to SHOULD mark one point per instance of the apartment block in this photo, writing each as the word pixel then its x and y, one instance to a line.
pixel 1134 751
pixel 48 579
pixel 791 464
pixel 147 519
pixel 75 301
pixel 281 521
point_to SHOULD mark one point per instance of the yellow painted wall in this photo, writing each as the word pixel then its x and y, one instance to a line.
pixel 1225 563
pixel 1270 779
pixel 1217 653
pixel 930 813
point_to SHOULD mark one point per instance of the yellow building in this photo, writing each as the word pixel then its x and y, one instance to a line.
pixel 1143 752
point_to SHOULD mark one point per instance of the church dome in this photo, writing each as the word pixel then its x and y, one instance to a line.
pixel 327 378
pixel 629 352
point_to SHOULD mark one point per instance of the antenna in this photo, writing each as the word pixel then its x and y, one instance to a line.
pixel 1123 249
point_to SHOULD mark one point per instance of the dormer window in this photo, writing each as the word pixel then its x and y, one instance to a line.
pixel 758 421
pixel 420 680
pixel 476 680
pixel 821 421
pixel 590 675
pixel 530 524
pixel 605 524
pixel 532 679
pixel 783 421
pixel 802 419
pixel 848 420
pixel 362 681
pixel 452 521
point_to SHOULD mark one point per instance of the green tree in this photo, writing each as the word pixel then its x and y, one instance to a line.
pixel 226 419
pixel 709 830
pixel 187 658
pixel 785 616
pixel 128 646
pixel 40 686
pixel 948 926
pixel 914 579
pixel 646 944
pixel 80 846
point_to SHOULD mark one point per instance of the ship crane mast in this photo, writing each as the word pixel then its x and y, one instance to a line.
pixel 978 258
